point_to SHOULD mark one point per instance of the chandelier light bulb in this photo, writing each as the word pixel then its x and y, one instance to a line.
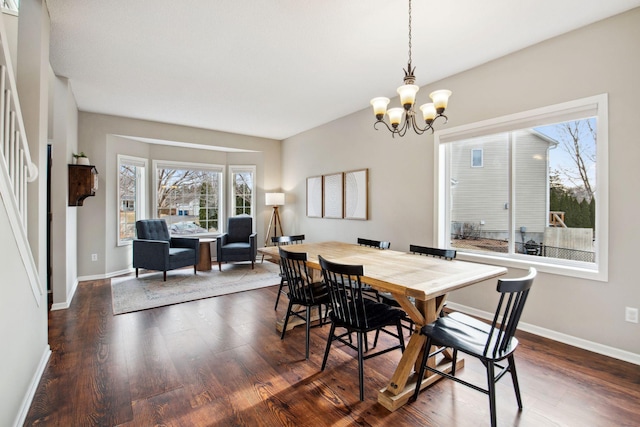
pixel 428 112
pixel 380 106
pixel 395 116
pixel 440 99
pixel 408 95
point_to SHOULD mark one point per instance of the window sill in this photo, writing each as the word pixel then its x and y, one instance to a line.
pixel 579 270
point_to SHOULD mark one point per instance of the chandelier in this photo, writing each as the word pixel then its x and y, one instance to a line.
pixel 406 114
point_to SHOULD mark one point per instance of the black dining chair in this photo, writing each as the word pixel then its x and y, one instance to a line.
pixel 378 244
pixel 355 313
pixel 490 344
pixel 301 291
pixel 284 240
pixel 447 254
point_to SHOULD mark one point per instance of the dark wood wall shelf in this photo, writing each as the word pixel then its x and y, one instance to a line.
pixel 83 182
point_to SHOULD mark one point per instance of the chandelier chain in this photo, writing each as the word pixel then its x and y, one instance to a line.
pixel 409 31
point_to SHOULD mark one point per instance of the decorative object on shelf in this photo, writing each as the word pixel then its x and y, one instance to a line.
pixel 430 112
pixel 275 200
pixel 81 159
pixel 83 182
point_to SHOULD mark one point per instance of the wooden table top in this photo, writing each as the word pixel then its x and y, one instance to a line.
pixel 421 277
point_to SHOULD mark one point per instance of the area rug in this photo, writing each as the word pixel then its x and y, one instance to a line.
pixel 149 290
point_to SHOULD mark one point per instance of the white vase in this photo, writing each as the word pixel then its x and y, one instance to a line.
pixel 83 161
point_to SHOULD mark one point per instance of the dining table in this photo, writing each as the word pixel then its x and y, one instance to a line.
pixel 420 284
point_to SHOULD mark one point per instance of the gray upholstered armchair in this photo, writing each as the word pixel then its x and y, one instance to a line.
pixel 238 243
pixel 155 249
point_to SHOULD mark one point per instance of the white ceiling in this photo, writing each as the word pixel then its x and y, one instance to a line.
pixel 275 68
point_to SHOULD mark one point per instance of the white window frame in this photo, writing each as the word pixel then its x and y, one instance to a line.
pixel 474 150
pixel 591 106
pixel 232 199
pixel 169 164
pixel 141 191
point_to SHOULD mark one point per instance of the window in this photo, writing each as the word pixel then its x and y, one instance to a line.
pixel 540 198
pixel 476 158
pixel 131 196
pixel 189 197
pixel 242 190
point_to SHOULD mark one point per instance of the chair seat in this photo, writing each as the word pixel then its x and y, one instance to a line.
pixel 375 315
pixel 236 248
pixel 181 253
pixel 318 295
pixel 468 335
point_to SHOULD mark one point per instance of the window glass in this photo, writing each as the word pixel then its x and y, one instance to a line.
pixel 131 196
pixel 242 190
pixel 535 195
pixel 189 197
pixel 476 158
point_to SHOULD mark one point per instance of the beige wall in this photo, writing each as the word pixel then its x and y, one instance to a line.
pixel 23 318
pixel 100 137
pixel 601 58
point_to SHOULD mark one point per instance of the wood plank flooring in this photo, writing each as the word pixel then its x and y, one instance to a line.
pixel 220 362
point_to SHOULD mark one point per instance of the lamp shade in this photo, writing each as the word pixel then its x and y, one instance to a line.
pixel 274 199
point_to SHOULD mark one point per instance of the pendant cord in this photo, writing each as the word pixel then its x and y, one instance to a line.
pixel 409 31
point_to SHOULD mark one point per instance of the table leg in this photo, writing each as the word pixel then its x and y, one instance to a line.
pixel 403 382
pixel 204 263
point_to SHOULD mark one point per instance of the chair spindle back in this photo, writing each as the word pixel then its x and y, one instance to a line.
pixel 513 295
pixel 345 289
pixel 294 266
pixel 448 254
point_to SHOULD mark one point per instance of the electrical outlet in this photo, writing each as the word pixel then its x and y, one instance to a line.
pixel 94 257
pixel 631 314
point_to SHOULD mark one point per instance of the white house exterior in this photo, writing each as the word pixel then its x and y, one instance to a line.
pixel 480 183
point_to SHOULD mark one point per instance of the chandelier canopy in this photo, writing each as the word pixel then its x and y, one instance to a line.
pixel 406 114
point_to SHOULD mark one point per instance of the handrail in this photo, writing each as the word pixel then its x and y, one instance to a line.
pixel 14 150
pixel 16 167
pixel 10 5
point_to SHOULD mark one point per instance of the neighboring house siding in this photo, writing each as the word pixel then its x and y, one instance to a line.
pixel 532 183
pixel 480 195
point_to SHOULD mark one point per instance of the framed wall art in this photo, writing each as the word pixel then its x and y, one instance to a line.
pixel 356 189
pixel 314 197
pixel 333 193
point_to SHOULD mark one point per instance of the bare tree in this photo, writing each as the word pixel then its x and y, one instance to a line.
pixel 169 180
pixel 127 180
pixel 578 139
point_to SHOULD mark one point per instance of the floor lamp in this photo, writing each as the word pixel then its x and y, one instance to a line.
pixel 275 200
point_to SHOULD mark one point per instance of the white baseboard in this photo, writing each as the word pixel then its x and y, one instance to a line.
pixel 105 276
pixel 605 350
pixel 33 387
pixel 67 303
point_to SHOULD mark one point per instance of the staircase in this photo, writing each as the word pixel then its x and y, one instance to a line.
pixel 16 167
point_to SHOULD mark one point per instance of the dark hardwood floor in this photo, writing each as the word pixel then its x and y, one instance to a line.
pixel 220 362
